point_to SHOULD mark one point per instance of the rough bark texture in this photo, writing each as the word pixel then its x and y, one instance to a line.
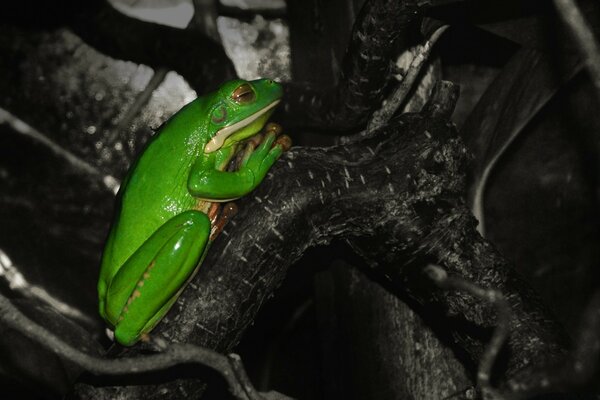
pixel 398 198
pixel 380 30
pixel 375 345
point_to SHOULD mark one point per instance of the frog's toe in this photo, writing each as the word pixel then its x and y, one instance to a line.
pixel 273 127
pixel 284 141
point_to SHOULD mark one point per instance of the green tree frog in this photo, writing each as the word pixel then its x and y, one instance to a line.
pixel 161 229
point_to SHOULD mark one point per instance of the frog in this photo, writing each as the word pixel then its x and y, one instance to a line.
pixel 164 218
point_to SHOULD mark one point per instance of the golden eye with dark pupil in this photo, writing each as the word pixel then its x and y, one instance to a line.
pixel 243 94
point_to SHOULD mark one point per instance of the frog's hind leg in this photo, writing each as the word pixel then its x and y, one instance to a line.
pixel 161 267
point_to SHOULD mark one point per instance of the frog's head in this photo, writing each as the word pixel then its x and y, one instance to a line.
pixel 239 110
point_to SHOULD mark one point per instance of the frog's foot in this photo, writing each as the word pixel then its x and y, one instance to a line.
pixel 153 343
pixel 255 140
pixel 146 338
pixel 273 127
pixel 229 210
pixel 271 134
pixel 282 140
pixel 244 155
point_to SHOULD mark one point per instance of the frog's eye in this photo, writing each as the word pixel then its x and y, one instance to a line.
pixel 243 94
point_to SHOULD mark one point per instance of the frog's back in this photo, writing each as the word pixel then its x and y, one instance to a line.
pixel 155 189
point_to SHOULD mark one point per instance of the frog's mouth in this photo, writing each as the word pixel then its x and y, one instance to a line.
pixel 222 134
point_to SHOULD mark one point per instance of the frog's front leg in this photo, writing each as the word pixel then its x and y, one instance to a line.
pixel 150 281
pixel 207 182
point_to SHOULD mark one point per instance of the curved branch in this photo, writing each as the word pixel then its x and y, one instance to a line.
pixel 397 98
pixel 200 60
pixel 379 33
pixel 578 370
pixel 230 367
pixel 487 360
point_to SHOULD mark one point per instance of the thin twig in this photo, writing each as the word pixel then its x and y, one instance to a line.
pixel 140 102
pixel 19 284
pixel 584 37
pixel 23 128
pixel 486 363
pixel 173 355
pixel 242 377
pixel 382 116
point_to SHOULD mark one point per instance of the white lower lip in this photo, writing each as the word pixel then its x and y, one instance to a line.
pixel 222 134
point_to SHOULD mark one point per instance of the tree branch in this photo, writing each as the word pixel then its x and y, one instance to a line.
pixel 575 372
pixel 230 367
pixel 199 59
pixel 397 98
pixel 205 64
pixel 380 33
pixel 487 360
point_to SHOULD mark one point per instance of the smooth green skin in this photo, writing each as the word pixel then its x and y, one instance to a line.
pixel 158 238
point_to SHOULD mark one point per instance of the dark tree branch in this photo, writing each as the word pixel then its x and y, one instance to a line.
pixel 442 100
pixel 203 20
pixel 486 363
pixel 379 34
pixel 367 331
pixel 579 370
pixel 398 96
pixel 230 368
pixel 199 59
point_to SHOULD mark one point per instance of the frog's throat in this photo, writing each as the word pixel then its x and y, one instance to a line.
pixel 222 134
